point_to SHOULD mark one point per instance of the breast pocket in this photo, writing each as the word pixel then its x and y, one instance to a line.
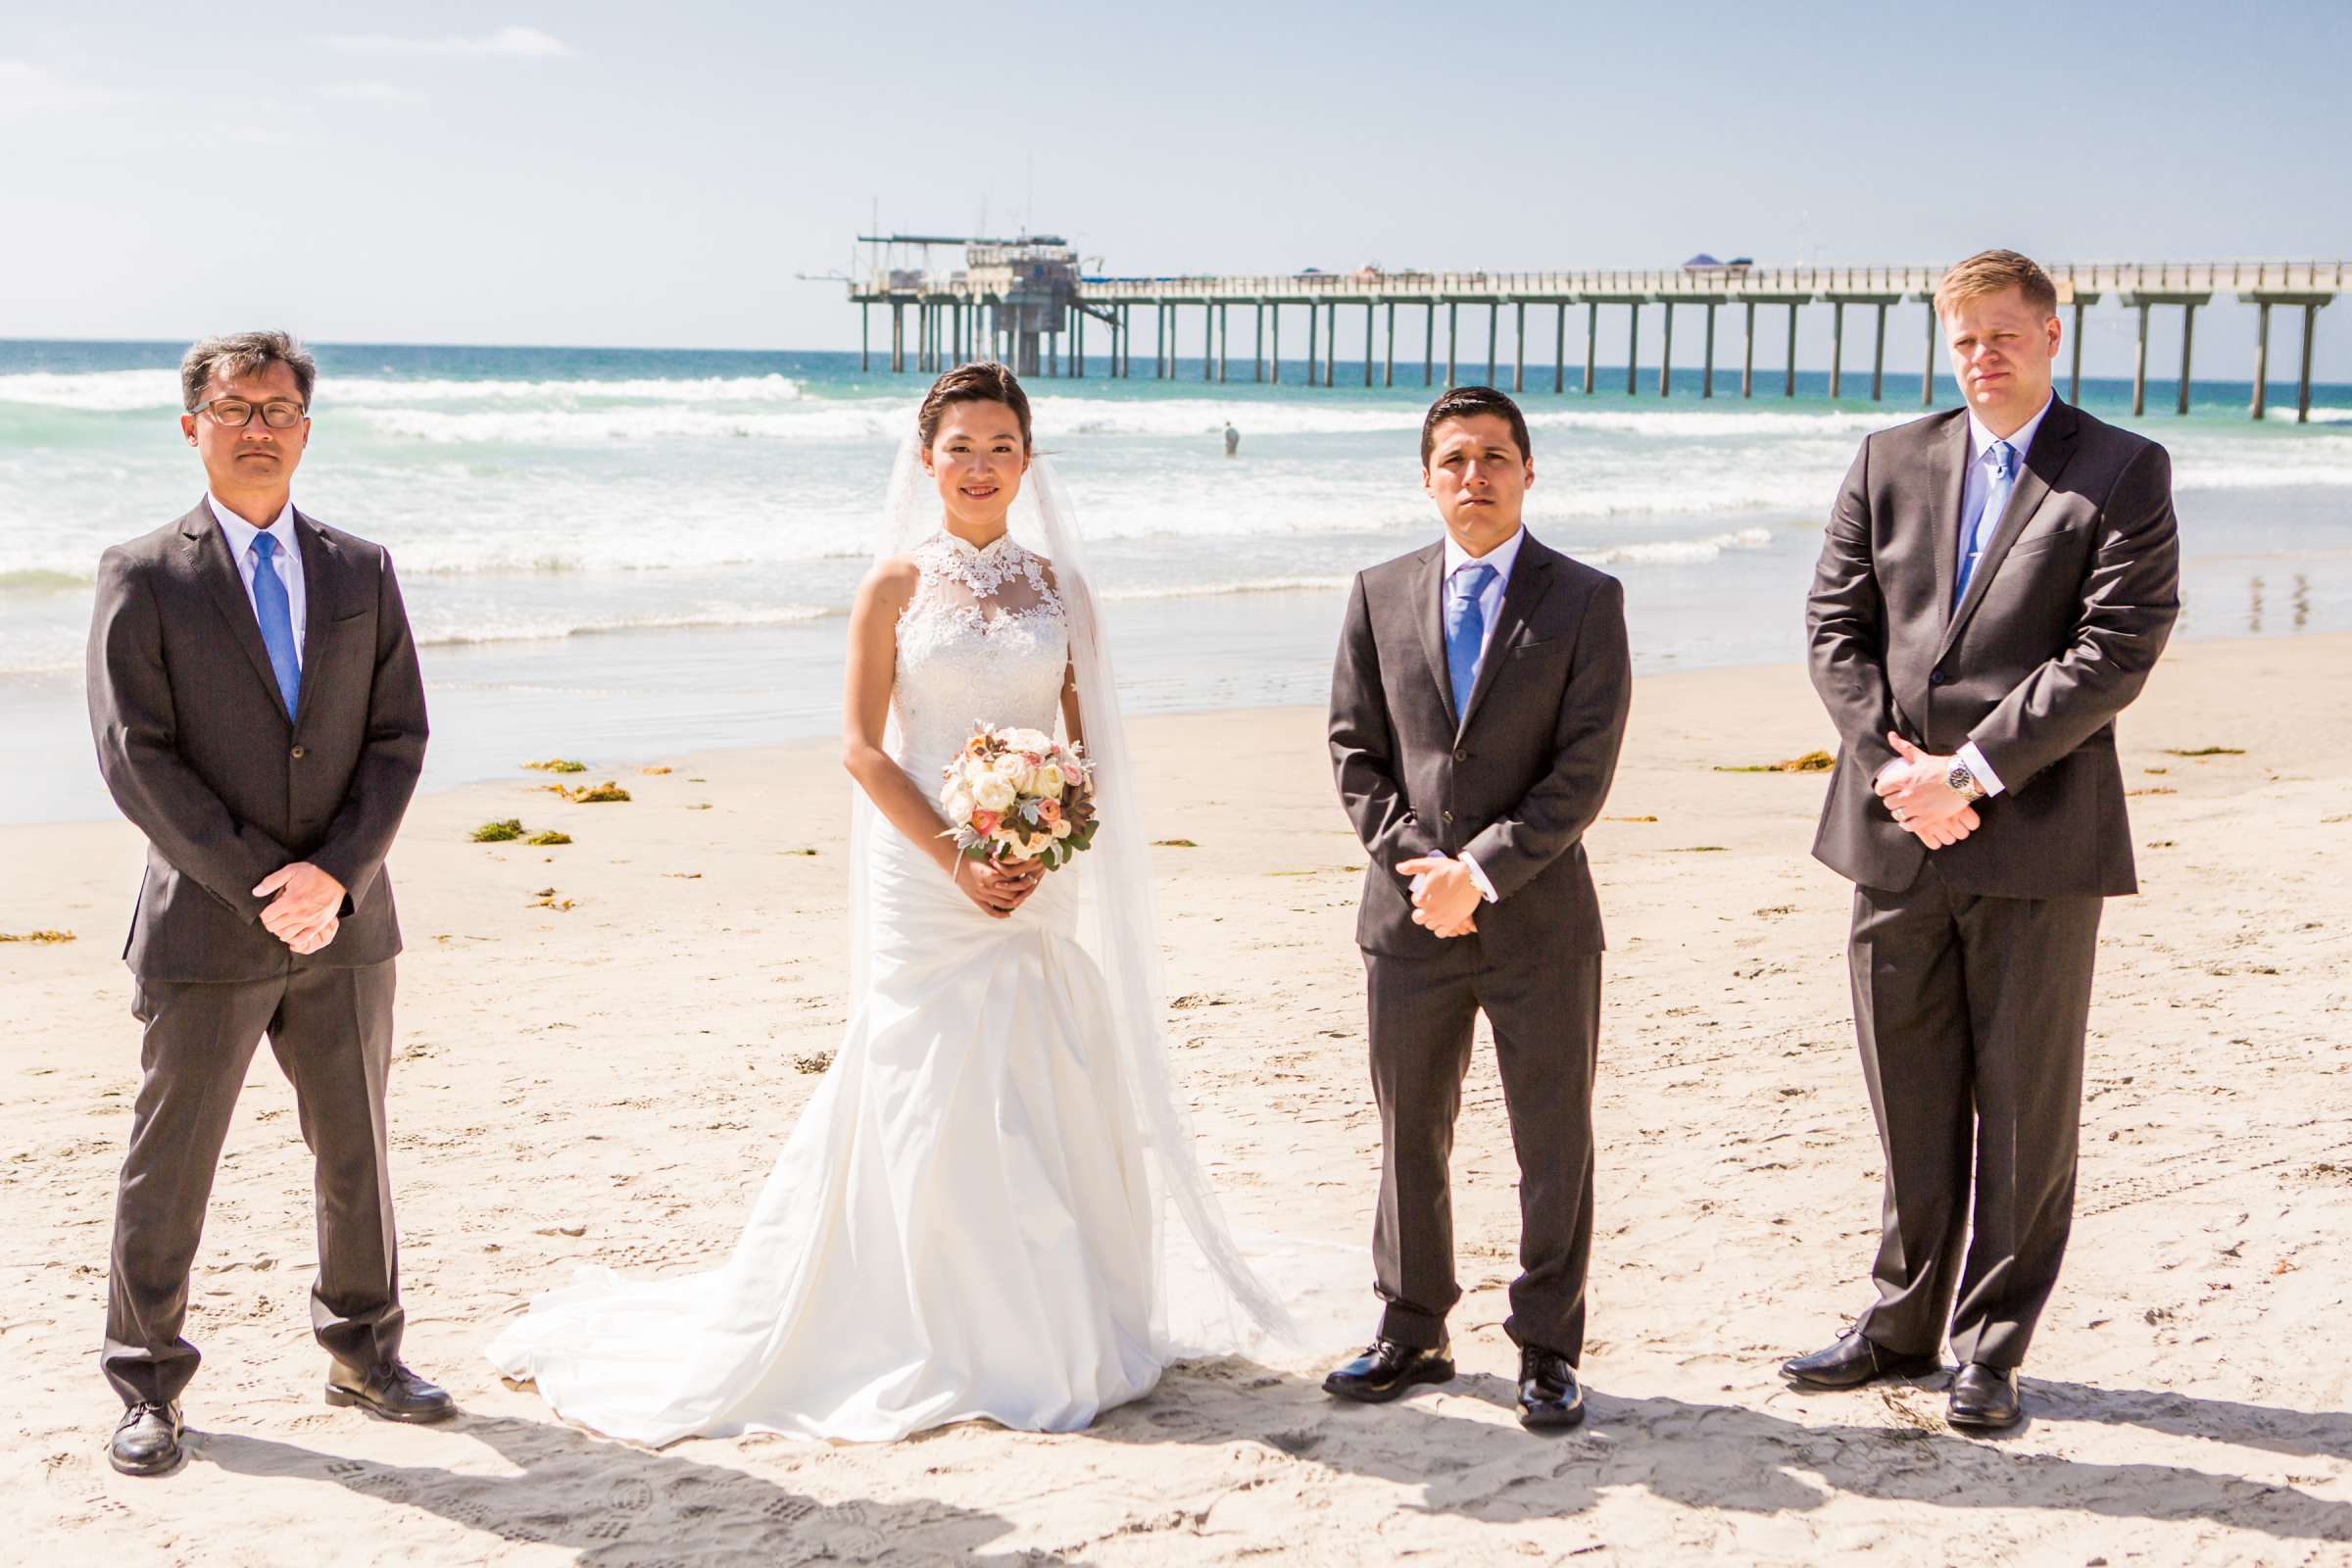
pixel 2037 544
pixel 1549 648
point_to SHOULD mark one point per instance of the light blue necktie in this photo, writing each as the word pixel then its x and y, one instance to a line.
pixel 1465 631
pixel 1980 527
pixel 277 613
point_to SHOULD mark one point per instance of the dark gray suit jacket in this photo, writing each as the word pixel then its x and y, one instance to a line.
pixel 195 745
pixel 2070 605
pixel 1514 783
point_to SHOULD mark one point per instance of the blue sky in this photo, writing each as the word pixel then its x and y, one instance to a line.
pixel 583 172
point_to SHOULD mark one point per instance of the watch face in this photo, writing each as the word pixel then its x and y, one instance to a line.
pixel 1960 778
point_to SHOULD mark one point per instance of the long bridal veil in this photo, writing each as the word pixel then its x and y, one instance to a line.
pixel 1206 1298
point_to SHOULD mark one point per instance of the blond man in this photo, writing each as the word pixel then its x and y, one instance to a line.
pixel 1994 587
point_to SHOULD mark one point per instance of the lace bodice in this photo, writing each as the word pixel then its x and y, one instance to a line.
pixel 985 639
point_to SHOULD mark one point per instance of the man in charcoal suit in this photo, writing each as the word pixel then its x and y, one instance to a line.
pixel 258 715
pixel 1477 707
pixel 1995 585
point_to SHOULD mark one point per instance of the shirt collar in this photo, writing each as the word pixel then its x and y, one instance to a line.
pixel 1979 438
pixel 1500 557
pixel 240 534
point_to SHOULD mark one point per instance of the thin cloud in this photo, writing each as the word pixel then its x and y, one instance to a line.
pixel 513 43
pixel 26 89
pixel 366 92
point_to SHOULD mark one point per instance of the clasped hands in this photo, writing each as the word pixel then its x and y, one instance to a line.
pixel 1447 904
pixel 1916 788
pixel 997 889
pixel 304 913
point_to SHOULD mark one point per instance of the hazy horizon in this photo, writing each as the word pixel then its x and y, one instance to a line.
pixel 578 175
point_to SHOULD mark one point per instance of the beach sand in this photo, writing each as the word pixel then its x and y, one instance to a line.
pixel 602 1044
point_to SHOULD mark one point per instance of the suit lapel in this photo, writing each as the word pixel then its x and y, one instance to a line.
pixel 1947 479
pixel 2045 460
pixel 1429 614
pixel 322 597
pixel 208 559
pixel 1531 580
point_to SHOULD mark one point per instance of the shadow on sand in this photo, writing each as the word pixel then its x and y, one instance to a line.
pixel 614 1504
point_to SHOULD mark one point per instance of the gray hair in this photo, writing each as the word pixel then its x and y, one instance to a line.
pixel 243 354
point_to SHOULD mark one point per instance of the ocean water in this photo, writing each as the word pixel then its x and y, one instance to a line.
pixel 623 554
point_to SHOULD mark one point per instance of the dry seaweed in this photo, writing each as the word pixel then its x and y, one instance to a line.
pixel 498 832
pixel 1810 763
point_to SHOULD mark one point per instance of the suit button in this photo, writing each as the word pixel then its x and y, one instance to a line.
pixel 1462 754
pixel 298 754
pixel 1936 677
pixel 1448 815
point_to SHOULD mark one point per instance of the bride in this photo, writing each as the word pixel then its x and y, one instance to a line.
pixel 991 1206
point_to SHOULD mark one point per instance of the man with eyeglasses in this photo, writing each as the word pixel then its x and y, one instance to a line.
pixel 259 716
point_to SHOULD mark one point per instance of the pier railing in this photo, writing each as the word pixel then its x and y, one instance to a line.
pixel 1025 306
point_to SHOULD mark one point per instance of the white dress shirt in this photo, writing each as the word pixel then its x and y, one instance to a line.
pixel 1489 609
pixel 1972 496
pixel 287 562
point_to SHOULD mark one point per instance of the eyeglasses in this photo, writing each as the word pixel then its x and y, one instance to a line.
pixel 236 413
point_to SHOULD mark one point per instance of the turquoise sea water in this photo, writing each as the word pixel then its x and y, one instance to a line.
pixel 620 554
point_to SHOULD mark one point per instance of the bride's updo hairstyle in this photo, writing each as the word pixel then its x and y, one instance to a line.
pixel 981 381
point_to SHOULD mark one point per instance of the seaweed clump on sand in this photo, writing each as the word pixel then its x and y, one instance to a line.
pixel 36 936
pixel 1810 763
pixel 547 836
pixel 593 794
pixel 499 832
pixel 557 765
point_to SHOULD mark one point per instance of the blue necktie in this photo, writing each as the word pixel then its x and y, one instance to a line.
pixel 1979 530
pixel 1465 631
pixel 277 612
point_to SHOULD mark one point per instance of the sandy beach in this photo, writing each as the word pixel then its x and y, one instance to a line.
pixel 603 1043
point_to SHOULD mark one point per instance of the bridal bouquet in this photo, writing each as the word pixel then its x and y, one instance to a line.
pixel 1017 794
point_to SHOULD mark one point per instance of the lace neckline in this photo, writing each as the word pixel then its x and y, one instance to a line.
pixel 964 547
pixel 981 569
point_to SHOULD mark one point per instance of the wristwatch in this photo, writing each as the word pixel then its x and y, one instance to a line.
pixel 1963 782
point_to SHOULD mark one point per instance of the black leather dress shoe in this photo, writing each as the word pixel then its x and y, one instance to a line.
pixel 147 1442
pixel 1853 1362
pixel 390 1391
pixel 1388 1369
pixel 1550 1395
pixel 1984 1399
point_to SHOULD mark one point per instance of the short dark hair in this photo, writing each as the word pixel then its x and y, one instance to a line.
pixel 981 381
pixel 1465 400
pixel 243 354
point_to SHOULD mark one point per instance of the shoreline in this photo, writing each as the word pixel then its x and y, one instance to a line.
pixel 819 735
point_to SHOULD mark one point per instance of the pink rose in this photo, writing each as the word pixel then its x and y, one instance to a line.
pixel 984 822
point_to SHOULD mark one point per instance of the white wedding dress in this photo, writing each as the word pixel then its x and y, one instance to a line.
pixel 967 1220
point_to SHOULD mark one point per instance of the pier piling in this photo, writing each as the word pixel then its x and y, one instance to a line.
pixel 1707 379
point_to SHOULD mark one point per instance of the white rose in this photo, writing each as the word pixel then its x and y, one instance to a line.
pixel 1029 740
pixel 1010 767
pixel 1062 829
pixel 994 792
pixel 1049 782
pixel 958 805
